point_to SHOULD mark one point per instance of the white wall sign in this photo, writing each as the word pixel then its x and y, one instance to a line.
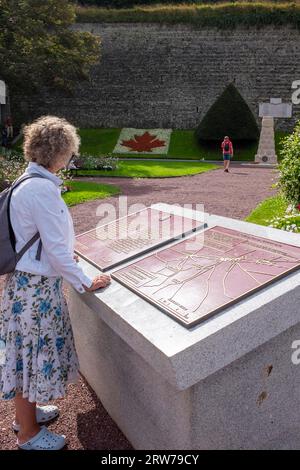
pixel 2 92
pixel 276 109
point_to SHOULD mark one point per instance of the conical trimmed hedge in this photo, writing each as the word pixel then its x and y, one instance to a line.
pixel 229 115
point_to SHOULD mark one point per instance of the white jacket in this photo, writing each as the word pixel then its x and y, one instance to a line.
pixel 37 206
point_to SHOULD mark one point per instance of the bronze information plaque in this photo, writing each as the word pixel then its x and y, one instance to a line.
pixel 196 278
pixel 119 241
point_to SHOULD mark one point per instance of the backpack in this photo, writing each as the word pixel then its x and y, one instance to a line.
pixel 226 147
pixel 8 256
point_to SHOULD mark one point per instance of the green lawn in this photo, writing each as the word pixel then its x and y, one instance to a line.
pixel 85 191
pixel 98 141
pixel 267 210
pixel 183 145
pixel 150 169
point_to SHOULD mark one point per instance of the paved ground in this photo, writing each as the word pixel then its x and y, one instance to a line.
pixel 83 419
pixel 233 195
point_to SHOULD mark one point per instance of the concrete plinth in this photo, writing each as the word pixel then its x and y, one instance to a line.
pixel 228 383
pixel 266 148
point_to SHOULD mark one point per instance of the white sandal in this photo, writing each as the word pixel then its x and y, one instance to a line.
pixel 44 440
pixel 44 414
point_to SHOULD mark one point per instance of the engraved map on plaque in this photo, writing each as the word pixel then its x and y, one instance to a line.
pixel 119 241
pixel 197 277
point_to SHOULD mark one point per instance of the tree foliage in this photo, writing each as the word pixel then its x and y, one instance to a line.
pixel 39 48
pixel 290 167
pixel 131 3
pixel 229 115
pixel 228 15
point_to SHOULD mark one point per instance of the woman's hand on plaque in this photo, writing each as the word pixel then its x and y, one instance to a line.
pixel 98 283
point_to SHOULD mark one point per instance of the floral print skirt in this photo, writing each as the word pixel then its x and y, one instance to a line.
pixel 39 357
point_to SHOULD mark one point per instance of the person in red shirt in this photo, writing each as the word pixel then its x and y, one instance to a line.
pixel 227 149
pixel 9 127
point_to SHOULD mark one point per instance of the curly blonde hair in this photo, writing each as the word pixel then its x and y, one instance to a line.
pixel 50 141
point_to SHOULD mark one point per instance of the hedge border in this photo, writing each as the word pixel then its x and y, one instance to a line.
pixel 222 16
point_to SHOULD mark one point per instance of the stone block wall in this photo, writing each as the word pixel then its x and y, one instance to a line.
pixel 168 76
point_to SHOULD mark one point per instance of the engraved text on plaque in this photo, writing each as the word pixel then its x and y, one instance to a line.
pixel 190 283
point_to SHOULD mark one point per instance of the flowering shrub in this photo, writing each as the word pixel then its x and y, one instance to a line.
pixel 289 181
pixel 66 176
pixel 88 162
pixel 12 166
pixel 289 222
pixel 7 152
pixel 11 156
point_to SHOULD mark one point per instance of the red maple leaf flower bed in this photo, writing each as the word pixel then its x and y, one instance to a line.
pixel 143 143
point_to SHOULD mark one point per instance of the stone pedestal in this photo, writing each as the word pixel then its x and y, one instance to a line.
pixel 227 383
pixel 266 149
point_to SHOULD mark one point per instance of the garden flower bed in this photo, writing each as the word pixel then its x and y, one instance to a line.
pixel 154 141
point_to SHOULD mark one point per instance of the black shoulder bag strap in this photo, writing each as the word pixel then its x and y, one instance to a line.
pixel 11 232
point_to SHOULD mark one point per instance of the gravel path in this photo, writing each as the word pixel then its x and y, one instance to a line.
pixel 83 418
pixel 233 195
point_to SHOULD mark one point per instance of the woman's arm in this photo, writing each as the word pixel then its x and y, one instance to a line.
pixel 51 221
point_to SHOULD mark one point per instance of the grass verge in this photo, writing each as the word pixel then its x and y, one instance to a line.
pixel 151 169
pixel 272 207
pixel 82 191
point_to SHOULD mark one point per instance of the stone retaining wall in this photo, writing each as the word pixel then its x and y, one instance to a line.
pixel 168 76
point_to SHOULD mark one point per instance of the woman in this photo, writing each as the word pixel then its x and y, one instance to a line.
pixel 40 358
pixel 227 149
